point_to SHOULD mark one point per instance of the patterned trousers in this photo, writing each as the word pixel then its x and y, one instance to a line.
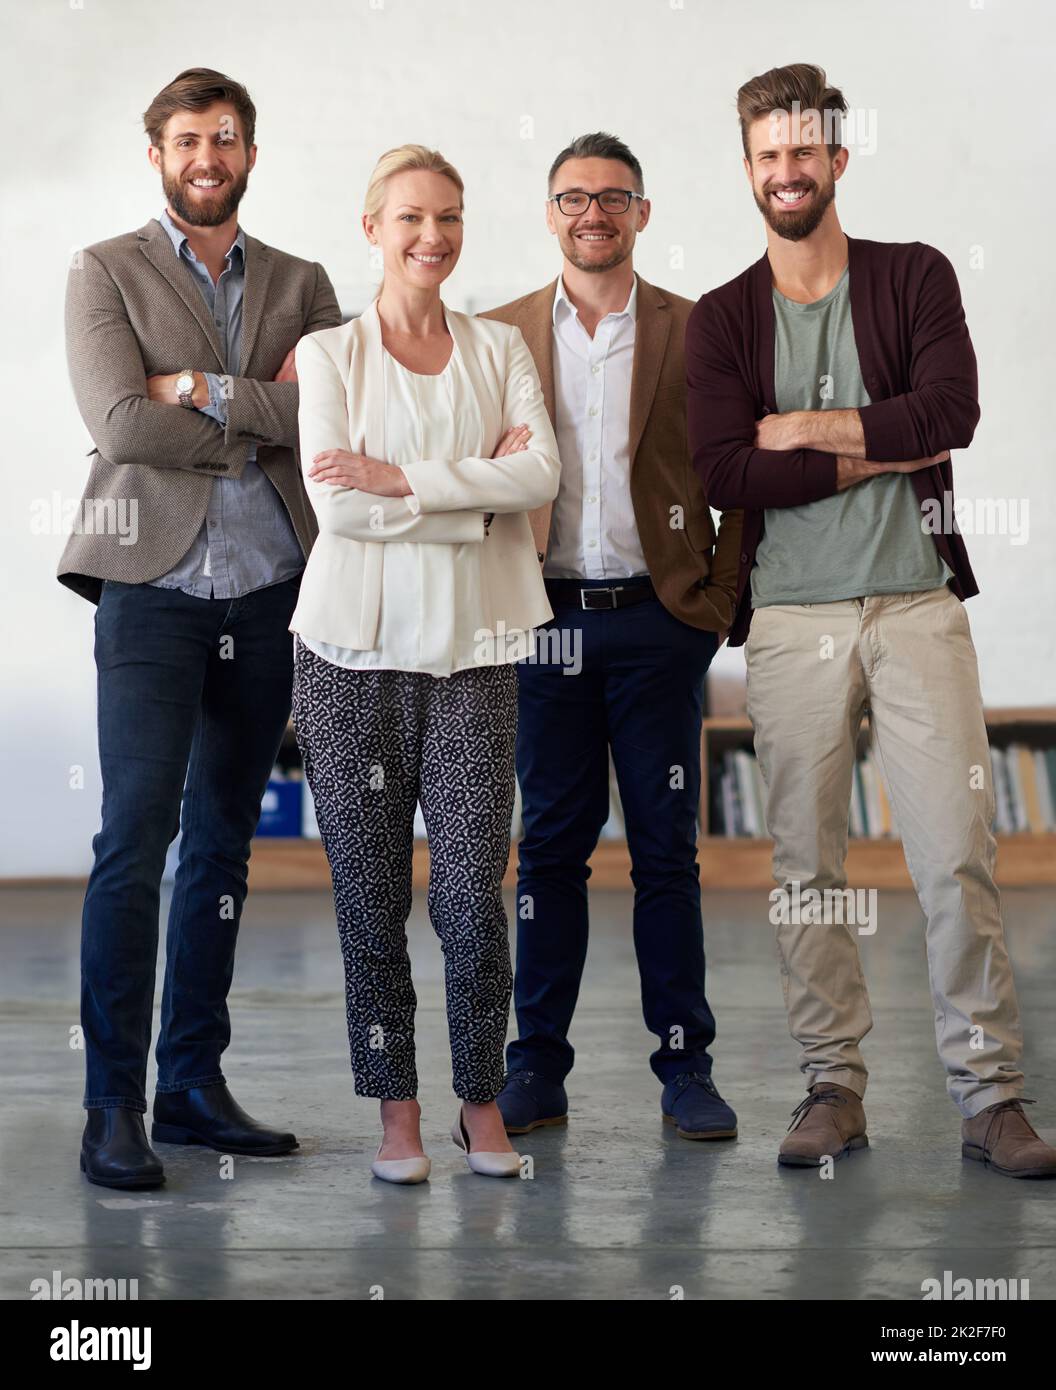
pixel 375 743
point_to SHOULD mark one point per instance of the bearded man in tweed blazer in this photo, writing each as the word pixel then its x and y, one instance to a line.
pixel 180 341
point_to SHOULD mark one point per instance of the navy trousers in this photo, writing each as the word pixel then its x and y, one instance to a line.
pixel 639 693
pixel 194 695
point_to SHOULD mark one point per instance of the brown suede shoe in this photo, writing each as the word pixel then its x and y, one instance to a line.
pixel 829 1123
pixel 1001 1137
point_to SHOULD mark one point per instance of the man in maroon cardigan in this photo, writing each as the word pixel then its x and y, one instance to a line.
pixel 826 386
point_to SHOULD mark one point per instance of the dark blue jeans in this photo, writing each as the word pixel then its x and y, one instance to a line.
pixel 640 692
pixel 194 695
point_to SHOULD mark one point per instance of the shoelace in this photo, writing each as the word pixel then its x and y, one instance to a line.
pixel 521 1076
pixel 701 1079
pixel 812 1099
pixel 1016 1103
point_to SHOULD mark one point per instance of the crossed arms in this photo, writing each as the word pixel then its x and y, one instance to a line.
pixel 127 426
pixel 441 500
pixel 800 457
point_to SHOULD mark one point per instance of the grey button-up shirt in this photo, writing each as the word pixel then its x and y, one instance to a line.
pixel 247 540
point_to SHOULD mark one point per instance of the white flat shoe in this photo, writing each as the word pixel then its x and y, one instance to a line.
pixel 491 1165
pixel 404 1170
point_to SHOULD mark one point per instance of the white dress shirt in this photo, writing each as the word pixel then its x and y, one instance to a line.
pixel 593 533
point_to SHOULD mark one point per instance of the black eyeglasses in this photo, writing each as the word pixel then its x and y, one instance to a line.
pixel 614 200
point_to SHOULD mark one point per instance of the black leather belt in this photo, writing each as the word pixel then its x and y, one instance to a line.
pixel 596 597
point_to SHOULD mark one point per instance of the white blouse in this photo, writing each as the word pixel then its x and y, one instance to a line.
pixel 417 634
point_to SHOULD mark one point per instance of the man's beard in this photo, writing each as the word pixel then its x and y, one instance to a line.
pixel 571 253
pixel 794 226
pixel 206 212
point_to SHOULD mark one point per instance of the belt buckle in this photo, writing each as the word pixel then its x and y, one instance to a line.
pixel 591 606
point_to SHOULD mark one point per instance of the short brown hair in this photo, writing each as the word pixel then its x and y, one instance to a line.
pixel 598 145
pixel 196 89
pixel 800 86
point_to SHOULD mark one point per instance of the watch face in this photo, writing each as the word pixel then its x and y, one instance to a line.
pixel 184 382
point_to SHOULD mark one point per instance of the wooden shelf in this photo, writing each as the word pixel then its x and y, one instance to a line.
pixel 1039 714
pixel 999 717
pixel 290 865
pixel 1022 860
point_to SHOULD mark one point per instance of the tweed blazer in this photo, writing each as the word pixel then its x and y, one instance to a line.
pixel 133 310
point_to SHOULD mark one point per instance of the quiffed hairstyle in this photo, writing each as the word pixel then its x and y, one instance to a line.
pixel 599 145
pixel 196 89
pixel 400 161
pixel 781 89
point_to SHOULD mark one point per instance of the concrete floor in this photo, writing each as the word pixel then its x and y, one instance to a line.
pixel 619 1206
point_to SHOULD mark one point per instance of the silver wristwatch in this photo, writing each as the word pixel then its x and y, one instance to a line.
pixel 185 388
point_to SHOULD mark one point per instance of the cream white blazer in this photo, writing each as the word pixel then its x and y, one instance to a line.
pixel 340 374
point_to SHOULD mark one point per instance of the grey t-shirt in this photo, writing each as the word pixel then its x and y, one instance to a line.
pixel 867 539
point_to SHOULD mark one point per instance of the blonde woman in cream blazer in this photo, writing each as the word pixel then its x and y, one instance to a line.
pixel 424 442
pixel 342 406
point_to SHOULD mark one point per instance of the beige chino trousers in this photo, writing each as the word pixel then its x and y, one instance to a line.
pixel 908 660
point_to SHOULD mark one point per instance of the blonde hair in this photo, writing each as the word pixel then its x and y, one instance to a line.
pixel 400 161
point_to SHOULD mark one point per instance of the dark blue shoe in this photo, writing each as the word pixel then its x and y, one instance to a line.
pixel 527 1101
pixel 694 1106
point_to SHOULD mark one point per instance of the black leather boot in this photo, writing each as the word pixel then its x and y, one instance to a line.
pixel 210 1115
pixel 115 1152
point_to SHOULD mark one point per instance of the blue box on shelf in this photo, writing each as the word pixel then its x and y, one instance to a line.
pixel 280 809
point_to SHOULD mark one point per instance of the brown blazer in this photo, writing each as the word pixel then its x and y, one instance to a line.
pixel 134 310
pixel 694 573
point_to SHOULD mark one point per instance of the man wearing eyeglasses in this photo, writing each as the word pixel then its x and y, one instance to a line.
pixel 641 590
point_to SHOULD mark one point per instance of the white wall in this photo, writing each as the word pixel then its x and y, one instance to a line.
pixel 960 94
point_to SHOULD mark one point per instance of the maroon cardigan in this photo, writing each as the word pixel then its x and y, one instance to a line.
pixel 917 364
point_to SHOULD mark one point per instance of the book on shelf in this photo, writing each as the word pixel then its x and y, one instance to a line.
pixel 738 798
pixel 1046 788
pixel 1024 781
pixel 1003 815
pixel 1028 781
pixel 1024 789
pixel 1023 778
pixel 745 769
pixel 731 820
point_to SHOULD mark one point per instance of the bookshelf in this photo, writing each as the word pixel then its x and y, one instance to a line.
pixel 1025 858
